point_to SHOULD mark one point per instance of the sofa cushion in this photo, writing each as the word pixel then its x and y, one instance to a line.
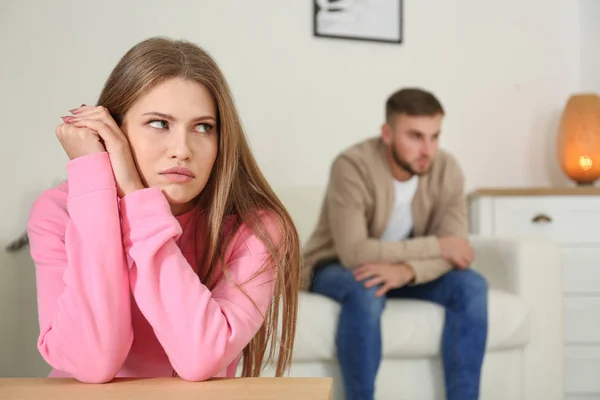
pixel 410 328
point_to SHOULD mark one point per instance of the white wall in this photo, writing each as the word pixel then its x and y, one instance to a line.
pixel 502 69
pixel 590 45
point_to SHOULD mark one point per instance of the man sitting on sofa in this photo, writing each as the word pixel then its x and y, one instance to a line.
pixel 394 225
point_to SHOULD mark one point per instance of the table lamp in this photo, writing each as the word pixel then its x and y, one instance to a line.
pixel 579 139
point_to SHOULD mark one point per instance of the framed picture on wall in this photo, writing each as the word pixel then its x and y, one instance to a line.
pixel 371 20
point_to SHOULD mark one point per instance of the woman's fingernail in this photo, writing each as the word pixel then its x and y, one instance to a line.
pixel 67 119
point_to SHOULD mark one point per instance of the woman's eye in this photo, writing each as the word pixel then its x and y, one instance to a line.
pixel 158 124
pixel 203 128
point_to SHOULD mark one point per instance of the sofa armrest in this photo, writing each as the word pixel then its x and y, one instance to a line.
pixel 531 269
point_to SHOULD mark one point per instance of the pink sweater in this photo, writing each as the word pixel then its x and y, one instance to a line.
pixel 117 291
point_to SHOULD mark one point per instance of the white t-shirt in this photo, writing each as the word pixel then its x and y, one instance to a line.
pixel 400 224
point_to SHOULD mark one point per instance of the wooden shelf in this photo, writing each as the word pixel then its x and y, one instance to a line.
pixel 536 191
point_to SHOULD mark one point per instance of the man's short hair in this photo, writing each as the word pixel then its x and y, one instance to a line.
pixel 412 102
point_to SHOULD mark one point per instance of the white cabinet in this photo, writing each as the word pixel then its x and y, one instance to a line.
pixel 570 218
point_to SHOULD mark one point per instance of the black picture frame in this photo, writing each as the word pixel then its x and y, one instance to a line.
pixel 395 34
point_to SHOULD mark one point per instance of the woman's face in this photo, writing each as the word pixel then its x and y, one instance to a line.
pixel 173 136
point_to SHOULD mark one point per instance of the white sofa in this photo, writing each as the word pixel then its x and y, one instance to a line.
pixel 524 359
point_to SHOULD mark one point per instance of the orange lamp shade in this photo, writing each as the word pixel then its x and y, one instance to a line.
pixel 579 138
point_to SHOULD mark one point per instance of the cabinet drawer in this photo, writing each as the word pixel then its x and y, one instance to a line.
pixel 564 219
pixel 582 369
pixel 581 269
pixel 582 320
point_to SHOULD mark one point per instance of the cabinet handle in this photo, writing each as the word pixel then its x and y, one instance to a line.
pixel 541 219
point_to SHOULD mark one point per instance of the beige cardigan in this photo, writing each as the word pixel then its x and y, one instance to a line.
pixel 359 201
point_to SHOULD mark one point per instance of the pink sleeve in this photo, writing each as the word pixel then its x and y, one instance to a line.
pixel 81 273
pixel 202 331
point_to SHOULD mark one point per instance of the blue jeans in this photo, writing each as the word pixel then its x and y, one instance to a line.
pixel 463 294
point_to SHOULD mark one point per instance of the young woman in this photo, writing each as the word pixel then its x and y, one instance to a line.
pixel 165 252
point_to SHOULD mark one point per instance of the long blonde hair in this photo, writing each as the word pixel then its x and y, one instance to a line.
pixel 235 190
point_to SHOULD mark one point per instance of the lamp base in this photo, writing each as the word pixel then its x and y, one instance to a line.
pixel 585 183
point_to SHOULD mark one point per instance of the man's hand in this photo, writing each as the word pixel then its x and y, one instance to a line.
pixel 389 276
pixel 457 250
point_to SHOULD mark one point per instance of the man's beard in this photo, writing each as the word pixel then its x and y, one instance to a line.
pixel 405 165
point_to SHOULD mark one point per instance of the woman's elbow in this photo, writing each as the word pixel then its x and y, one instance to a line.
pixel 94 367
pixel 94 370
pixel 200 369
pixel 99 374
pixel 195 374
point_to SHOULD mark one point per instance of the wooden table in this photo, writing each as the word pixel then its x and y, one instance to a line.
pixel 167 389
